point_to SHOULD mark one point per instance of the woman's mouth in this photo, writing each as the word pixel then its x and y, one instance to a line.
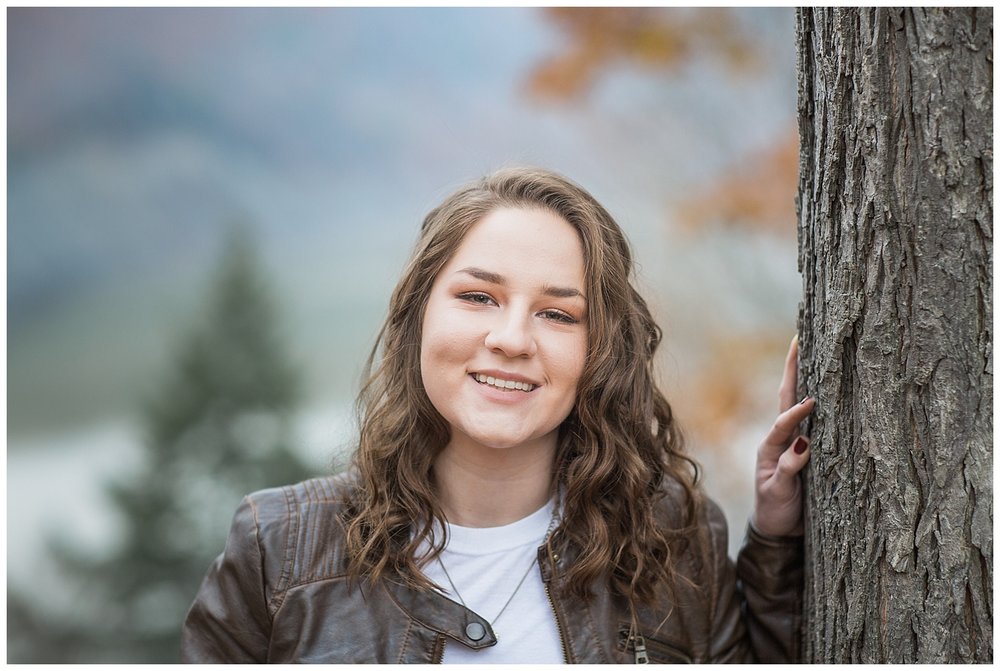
pixel 504 385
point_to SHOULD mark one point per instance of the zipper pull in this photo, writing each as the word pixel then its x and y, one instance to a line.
pixel 640 650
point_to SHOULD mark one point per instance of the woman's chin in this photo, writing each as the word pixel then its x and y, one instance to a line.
pixel 506 440
pixel 500 442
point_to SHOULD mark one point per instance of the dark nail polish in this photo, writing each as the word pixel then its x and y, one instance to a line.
pixel 800 445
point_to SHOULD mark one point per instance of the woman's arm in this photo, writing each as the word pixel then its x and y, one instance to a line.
pixel 229 620
pixel 755 605
pixel 769 573
pixel 770 564
pixel 769 569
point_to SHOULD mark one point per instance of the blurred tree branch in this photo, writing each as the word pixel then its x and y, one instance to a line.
pixel 655 38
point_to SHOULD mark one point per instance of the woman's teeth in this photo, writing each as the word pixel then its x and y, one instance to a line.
pixel 506 385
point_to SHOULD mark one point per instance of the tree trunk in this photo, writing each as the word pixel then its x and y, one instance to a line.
pixel 895 248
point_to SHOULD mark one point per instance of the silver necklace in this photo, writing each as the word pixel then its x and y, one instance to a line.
pixel 534 560
pixel 516 589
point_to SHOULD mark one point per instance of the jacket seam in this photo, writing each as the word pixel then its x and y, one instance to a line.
pixel 409 616
pixel 595 639
pixel 406 640
pixel 285 577
pixel 260 550
pixel 714 573
pixel 313 581
pixel 305 583
pixel 263 590
pixel 307 568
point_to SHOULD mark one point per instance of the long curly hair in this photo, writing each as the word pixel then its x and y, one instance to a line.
pixel 616 448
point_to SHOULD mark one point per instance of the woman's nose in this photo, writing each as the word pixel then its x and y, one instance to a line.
pixel 511 335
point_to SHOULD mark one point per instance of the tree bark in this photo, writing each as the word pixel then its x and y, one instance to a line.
pixel 895 224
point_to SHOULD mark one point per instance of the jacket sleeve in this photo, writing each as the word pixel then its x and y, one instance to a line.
pixel 770 577
pixel 229 620
pixel 757 604
pixel 727 642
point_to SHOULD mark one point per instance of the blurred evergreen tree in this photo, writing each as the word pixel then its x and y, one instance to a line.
pixel 217 429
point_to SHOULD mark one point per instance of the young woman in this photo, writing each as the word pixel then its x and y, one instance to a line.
pixel 519 492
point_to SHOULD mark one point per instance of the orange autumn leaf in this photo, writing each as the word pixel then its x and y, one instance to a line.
pixel 758 193
pixel 652 37
pixel 722 395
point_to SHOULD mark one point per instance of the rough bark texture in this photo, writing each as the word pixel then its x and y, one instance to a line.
pixel 895 249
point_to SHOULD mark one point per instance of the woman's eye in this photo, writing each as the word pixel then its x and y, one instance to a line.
pixel 476 297
pixel 558 316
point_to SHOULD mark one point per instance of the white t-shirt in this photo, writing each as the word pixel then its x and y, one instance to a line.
pixel 486 565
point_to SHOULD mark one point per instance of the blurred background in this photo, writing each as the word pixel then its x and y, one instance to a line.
pixel 207 210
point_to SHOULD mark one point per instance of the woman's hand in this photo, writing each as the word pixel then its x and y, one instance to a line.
pixel 778 489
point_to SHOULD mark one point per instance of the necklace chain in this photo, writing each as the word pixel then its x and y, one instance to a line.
pixel 512 594
pixel 534 560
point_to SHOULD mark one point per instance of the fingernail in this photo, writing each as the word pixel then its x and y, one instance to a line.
pixel 800 445
pixel 804 399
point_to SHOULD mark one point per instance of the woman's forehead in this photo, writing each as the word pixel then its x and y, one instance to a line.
pixel 516 242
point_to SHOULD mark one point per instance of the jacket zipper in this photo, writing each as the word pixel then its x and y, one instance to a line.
pixel 437 654
pixel 555 611
pixel 562 634
pixel 640 647
pixel 641 657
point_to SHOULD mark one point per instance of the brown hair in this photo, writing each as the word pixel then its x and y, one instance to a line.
pixel 616 448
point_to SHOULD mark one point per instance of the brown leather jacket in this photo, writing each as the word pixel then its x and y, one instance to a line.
pixel 279 593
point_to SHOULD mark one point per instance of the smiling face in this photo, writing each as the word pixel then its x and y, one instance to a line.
pixel 504 331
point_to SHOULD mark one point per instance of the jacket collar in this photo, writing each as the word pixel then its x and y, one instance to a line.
pixel 441 614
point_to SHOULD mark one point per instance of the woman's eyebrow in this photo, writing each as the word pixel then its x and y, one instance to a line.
pixel 495 278
pixel 484 275
pixel 561 292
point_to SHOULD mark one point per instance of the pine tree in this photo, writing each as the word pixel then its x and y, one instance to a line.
pixel 217 429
